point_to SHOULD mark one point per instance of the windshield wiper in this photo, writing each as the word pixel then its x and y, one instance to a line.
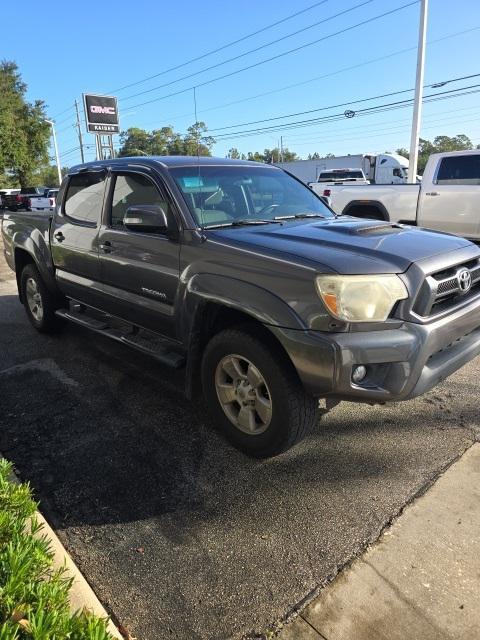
pixel 300 216
pixel 240 223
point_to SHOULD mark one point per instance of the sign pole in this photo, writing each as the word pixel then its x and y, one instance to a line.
pixel 417 105
pixel 55 146
pixel 79 129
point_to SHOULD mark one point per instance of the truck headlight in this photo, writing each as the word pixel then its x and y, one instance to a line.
pixel 360 298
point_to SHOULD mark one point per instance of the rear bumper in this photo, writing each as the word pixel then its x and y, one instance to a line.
pixel 401 363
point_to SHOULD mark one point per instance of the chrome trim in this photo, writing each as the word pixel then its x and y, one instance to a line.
pixel 438 289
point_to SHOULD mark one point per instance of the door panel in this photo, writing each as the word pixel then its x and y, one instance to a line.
pixel 451 203
pixel 74 237
pixel 454 209
pixel 139 271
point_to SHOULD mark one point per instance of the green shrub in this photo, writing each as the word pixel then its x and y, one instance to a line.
pixel 34 600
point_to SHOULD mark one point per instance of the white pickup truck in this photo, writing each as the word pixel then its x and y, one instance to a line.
pixel 338 176
pixel 448 198
pixel 45 202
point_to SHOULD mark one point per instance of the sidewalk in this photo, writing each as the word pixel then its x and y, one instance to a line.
pixel 421 581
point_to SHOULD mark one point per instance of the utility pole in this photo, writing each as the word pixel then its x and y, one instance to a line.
pixel 79 129
pixel 417 105
pixel 281 148
pixel 57 158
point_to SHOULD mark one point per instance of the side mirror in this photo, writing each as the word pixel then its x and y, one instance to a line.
pixel 146 217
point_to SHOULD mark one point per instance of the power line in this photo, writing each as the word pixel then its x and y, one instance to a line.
pixel 300 137
pixel 285 87
pixel 342 70
pixel 225 46
pixel 62 112
pixel 316 78
pixel 341 116
pixel 246 53
pixel 280 55
pixel 374 134
pixel 66 153
pixel 342 104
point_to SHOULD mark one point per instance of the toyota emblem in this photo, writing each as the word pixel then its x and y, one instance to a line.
pixel 464 278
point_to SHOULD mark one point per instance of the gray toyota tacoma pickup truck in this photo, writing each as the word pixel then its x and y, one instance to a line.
pixel 241 275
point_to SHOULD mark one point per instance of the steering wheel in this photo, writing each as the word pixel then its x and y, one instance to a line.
pixel 267 209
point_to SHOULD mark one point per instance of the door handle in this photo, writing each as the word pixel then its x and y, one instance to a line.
pixel 106 247
pixel 432 193
pixel 59 236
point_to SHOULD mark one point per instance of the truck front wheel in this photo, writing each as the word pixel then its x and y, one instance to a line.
pixel 39 303
pixel 254 394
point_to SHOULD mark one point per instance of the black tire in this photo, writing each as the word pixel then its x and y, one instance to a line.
pixel 293 412
pixel 48 322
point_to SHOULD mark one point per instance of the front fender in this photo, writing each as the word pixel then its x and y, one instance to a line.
pixel 252 299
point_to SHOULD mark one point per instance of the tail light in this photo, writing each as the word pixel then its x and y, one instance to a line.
pixel 52 202
pixel 18 198
pixel 327 192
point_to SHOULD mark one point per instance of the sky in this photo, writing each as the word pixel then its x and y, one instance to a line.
pixel 102 47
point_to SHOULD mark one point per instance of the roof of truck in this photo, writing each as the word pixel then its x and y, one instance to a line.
pixel 169 161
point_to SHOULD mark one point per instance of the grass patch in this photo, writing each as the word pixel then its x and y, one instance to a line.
pixel 34 601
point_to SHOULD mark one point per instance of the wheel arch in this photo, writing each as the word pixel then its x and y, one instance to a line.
pixel 366 204
pixel 206 314
pixel 24 255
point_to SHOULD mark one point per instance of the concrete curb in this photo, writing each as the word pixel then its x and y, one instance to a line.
pixel 82 595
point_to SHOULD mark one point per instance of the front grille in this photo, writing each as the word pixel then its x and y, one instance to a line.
pixel 442 290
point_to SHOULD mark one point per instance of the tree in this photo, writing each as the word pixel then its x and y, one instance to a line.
pixel 166 142
pixel 48 175
pixel 196 142
pixel 440 144
pixel 235 154
pixel 271 156
pixel 24 133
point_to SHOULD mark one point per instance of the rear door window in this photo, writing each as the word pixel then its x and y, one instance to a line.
pixel 459 170
pixel 84 197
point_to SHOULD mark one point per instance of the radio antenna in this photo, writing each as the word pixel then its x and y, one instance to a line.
pixel 198 151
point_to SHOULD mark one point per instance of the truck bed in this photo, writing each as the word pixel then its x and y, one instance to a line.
pixel 17 226
pixel 399 200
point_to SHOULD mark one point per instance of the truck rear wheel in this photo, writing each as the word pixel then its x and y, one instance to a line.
pixel 39 303
pixel 254 395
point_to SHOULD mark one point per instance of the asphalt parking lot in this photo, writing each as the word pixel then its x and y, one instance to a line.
pixel 180 535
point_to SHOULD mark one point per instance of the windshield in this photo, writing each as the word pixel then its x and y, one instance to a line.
pixel 339 175
pixel 223 195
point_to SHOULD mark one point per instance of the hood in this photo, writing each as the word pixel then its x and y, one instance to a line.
pixel 345 245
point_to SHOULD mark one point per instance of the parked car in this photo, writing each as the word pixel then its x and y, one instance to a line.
pixel 239 274
pixel 21 200
pixel 447 199
pixel 6 192
pixel 44 202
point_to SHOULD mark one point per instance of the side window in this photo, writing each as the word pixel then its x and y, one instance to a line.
pixel 459 170
pixel 131 189
pixel 84 197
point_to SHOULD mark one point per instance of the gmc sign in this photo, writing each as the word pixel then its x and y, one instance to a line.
pixel 101 114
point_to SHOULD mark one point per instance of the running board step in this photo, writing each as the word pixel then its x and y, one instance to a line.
pixel 151 346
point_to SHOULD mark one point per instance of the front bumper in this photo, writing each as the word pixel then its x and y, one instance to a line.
pixel 401 363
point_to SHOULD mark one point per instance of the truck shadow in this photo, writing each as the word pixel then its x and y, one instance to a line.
pixel 123 444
